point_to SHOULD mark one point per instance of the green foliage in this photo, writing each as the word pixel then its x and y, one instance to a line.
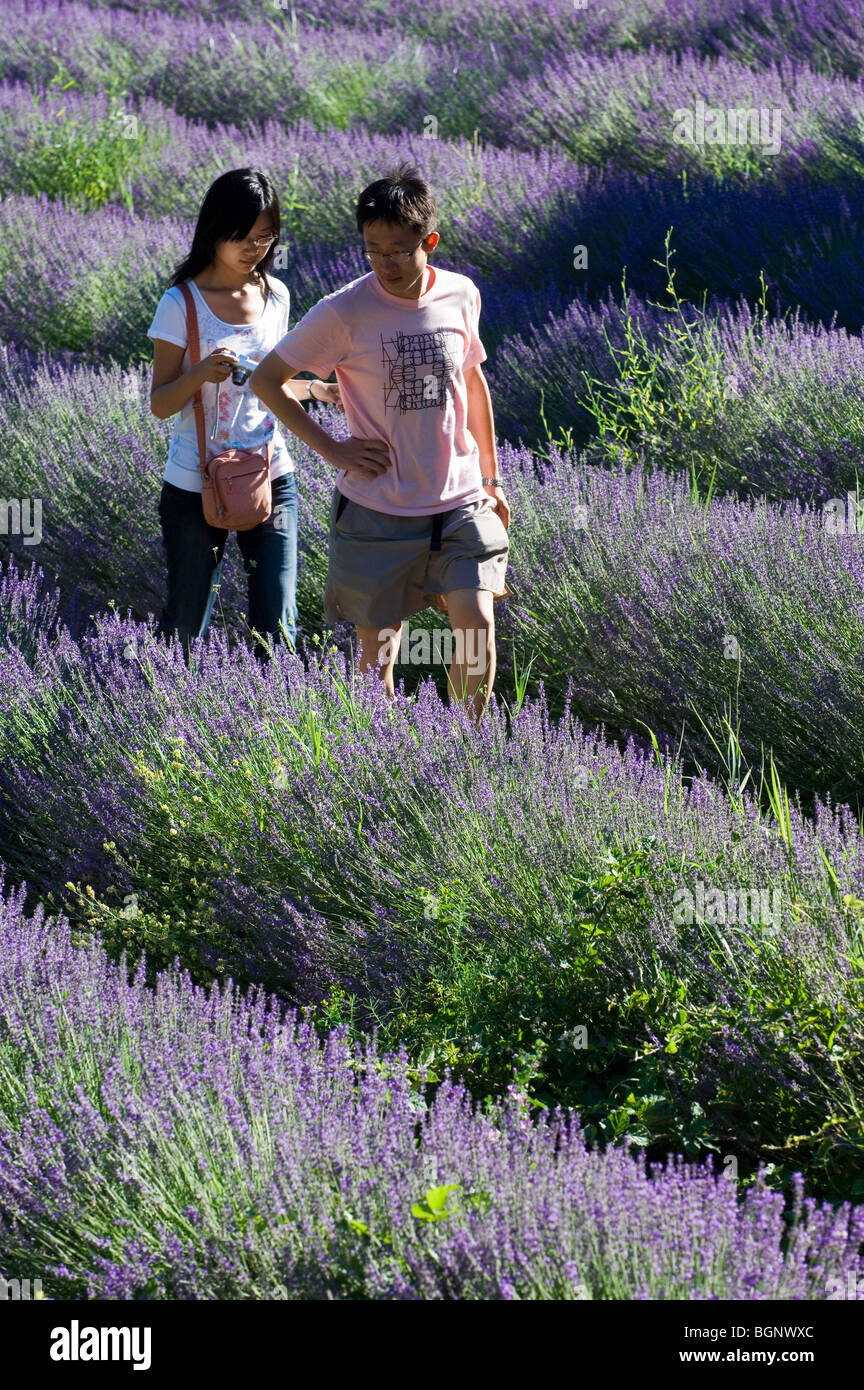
pixel 341 97
pixel 440 1203
pixel 564 1023
pixel 85 163
pixel 669 394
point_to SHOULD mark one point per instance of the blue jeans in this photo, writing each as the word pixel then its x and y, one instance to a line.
pixel 194 552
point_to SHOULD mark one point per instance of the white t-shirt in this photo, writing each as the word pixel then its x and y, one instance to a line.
pixel 253 426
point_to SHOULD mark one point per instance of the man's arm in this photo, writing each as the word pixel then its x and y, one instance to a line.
pixel 481 423
pixel 363 458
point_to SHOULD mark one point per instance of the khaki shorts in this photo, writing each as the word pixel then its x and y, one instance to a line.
pixel 382 569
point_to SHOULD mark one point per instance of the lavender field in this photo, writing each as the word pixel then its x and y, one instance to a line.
pixel 306 996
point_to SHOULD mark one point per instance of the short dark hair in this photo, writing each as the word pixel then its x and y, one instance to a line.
pixel 402 196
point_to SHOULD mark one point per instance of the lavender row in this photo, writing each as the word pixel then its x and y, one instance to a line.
pixel 823 33
pixel 95 292
pixel 641 112
pixel 179 1144
pixel 93 287
pixel 85 455
pixel 583 913
pixel 333 74
pixel 669 613
pixel 738 399
pixel 592 553
pixel 162 163
pixel 678 112
pixel 773 407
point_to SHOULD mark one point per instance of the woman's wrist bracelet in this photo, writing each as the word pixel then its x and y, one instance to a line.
pixel 309 396
pixel 492 482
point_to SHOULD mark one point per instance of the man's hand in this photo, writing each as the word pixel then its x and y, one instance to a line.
pixel 361 458
pixel 482 425
pixel 502 504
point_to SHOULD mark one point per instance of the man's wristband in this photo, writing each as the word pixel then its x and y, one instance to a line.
pixel 492 482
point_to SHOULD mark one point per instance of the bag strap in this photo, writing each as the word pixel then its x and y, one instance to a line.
pixel 194 358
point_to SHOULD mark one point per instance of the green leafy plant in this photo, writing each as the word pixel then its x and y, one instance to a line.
pixel 673 389
pixel 85 163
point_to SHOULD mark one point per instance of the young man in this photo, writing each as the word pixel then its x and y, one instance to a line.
pixel 418 509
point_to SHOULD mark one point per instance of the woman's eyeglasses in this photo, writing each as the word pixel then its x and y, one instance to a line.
pixel 260 243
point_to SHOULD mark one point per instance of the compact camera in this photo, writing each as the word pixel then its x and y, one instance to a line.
pixel 241 373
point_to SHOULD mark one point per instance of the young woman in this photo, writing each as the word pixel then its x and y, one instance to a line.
pixel 241 311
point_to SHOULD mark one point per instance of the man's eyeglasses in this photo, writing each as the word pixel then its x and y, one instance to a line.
pixel 373 256
pixel 260 243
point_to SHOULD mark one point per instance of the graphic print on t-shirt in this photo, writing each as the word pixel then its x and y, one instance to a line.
pixel 421 368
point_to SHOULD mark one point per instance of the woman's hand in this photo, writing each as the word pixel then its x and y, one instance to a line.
pixel 217 366
pixel 328 393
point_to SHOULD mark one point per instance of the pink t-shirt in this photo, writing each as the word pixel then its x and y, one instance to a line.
pixel 400 365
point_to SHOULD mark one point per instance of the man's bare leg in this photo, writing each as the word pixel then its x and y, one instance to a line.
pixel 379 652
pixel 472 671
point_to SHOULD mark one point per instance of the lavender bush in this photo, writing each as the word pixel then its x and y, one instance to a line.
pixel 669 613
pixel 117 266
pixel 260 71
pixel 503 904
pixel 171 160
pixel 82 439
pixel 184 1144
pixel 622 110
pixel 758 32
pixel 806 242
pixel 800 243
pixel 518 20
pixel 729 396
pixel 566 106
pixel 591 558
pixel 94 290
pixel 275 825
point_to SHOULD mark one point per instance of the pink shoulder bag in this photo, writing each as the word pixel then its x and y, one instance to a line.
pixel 235 485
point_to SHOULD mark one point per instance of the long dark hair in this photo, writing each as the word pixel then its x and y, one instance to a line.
pixel 231 207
